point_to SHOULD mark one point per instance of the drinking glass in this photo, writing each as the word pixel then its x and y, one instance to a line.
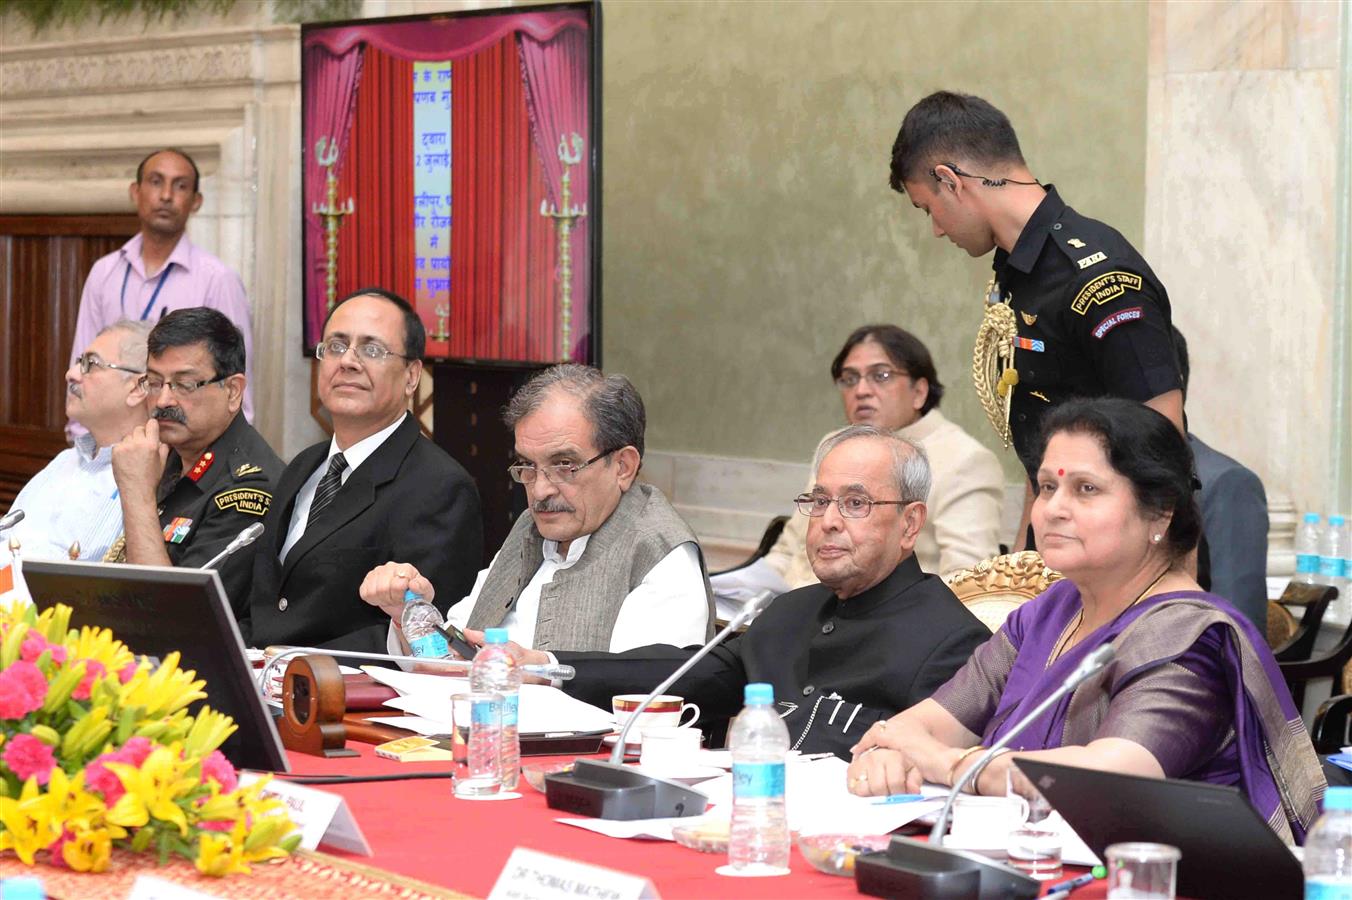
pixel 476 725
pixel 1034 847
pixel 1141 871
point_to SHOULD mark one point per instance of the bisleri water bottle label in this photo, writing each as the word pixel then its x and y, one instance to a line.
pixel 486 712
pixel 758 779
pixel 432 645
pixel 1307 564
pixel 509 703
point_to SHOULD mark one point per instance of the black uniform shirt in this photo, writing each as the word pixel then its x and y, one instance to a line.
pixel 230 488
pixel 1093 319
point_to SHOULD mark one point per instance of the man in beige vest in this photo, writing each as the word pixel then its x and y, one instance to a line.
pixel 598 561
pixel 887 379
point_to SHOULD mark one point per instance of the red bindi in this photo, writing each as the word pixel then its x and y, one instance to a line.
pixel 1060 471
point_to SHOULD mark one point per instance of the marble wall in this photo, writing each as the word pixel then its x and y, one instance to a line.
pixel 1242 225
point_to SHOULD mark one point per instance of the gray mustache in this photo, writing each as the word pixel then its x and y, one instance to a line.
pixel 172 413
pixel 551 505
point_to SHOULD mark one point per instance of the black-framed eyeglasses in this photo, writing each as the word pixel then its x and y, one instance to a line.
pixel 851 506
pixel 153 384
pixel 563 473
pixel 87 361
pixel 369 350
pixel 877 378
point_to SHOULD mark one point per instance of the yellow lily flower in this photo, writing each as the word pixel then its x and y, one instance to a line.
pixel 152 789
pixel 89 851
pixel 28 826
pixel 222 854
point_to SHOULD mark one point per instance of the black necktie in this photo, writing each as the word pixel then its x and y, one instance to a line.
pixel 328 487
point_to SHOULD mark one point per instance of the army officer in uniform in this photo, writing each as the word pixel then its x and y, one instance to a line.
pixel 1073 309
pixel 197 473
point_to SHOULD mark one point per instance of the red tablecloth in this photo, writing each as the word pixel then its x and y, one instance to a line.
pixel 418 828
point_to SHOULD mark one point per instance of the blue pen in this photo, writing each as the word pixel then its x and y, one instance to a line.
pixel 898 798
pixel 1064 888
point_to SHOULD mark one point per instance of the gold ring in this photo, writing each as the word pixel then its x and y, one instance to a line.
pixel 860 779
pixel 400 574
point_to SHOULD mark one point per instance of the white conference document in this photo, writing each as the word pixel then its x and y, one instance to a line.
pixel 541 708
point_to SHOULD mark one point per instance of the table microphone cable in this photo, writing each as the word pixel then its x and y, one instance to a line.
pixel 353 779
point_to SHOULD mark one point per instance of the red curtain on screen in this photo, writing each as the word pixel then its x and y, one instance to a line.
pixel 502 268
pixel 380 234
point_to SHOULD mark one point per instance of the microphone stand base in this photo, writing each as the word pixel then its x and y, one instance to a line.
pixel 604 790
pixel 916 870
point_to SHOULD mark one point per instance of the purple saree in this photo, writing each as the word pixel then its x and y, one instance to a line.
pixel 1193 682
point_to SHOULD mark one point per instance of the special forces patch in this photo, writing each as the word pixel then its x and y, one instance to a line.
pixel 1108 286
pixel 245 500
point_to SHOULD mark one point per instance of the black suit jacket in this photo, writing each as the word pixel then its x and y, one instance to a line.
pixel 408 501
pixel 837 666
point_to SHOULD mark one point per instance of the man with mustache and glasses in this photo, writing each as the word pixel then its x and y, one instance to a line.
pixel 598 561
pixel 73 500
pixel 196 474
pixel 377 490
pixel 159 270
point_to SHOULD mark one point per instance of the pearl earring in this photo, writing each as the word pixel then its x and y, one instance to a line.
pixel 1157 538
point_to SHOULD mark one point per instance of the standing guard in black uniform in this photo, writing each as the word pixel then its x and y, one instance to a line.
pixel 197 474
pixel 1073 309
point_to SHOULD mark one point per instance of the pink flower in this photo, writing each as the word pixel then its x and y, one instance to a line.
pixel 94 670
pixel 23 688
pixel 99 778
pixel 217 825
pixel 27 757
pixel 128 671
pixel 54 849
pixel 34 644
pixel 218 768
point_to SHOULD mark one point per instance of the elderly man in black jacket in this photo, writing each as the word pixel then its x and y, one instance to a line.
pixel 874 637
pixel 378 490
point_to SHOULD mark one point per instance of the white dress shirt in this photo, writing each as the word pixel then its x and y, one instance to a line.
pixel 667 607
pixel 355 455
pixel 74 498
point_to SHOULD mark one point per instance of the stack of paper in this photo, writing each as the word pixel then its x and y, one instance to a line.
pixel 542 709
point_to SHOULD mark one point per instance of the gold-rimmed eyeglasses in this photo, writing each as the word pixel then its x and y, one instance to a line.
pixel 851 506
pixel 561 473
pixel 87 361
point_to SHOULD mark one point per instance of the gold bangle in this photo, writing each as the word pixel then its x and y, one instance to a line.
pixel 953 769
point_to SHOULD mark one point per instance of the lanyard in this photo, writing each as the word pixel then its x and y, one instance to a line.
pixel 122 300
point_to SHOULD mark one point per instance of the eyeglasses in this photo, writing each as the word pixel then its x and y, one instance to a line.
pixel 336 348
pixel 851 506
pixel 877 378
pixel 563 473
pixel 153 384
pixel 87 361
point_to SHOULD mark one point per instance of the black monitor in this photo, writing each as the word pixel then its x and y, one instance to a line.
pixel 156 610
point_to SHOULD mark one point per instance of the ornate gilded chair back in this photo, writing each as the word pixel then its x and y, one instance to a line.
pixel 994 588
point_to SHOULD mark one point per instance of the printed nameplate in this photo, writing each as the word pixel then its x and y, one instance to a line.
pixel 531 875
pixel 323 818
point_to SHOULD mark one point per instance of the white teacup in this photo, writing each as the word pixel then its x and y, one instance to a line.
pixel 665 710
pixel 668 748
pixel 987 821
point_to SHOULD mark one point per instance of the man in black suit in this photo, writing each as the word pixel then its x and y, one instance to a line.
pixel 377 491
pixel 876 636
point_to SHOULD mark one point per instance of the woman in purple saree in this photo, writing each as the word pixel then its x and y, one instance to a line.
pixel 1193 692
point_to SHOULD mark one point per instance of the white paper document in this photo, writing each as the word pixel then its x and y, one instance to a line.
pixel 541 708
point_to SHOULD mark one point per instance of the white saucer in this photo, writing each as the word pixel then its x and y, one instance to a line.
pixel 634 740
pixel 691 773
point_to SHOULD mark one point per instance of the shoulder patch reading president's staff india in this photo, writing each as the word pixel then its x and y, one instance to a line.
pixel 245 500
pixel 1108 286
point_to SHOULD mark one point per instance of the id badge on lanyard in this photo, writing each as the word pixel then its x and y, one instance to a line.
pixel 145 313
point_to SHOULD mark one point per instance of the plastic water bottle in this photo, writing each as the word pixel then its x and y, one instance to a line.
pixel 495 670
pixel 419 623
pixel 1328 849
pixel 759 841
pixel 1308 537
pixel 1333 553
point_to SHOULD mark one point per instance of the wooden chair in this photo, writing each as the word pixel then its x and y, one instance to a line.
pixel 994 588
pixel 1296 640
pixel 1330 730
pixel 767 543
pixel 1329 664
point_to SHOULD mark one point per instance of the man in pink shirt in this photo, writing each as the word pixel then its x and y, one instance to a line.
pixel 160 270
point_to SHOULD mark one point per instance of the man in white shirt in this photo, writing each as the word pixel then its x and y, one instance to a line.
pixel 74 499
pixel 598 561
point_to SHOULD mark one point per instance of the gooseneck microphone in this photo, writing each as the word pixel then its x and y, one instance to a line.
pixel 10 519
pixel 1087 667
pixel 930 871
pixel 611 790
pixel 242 540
